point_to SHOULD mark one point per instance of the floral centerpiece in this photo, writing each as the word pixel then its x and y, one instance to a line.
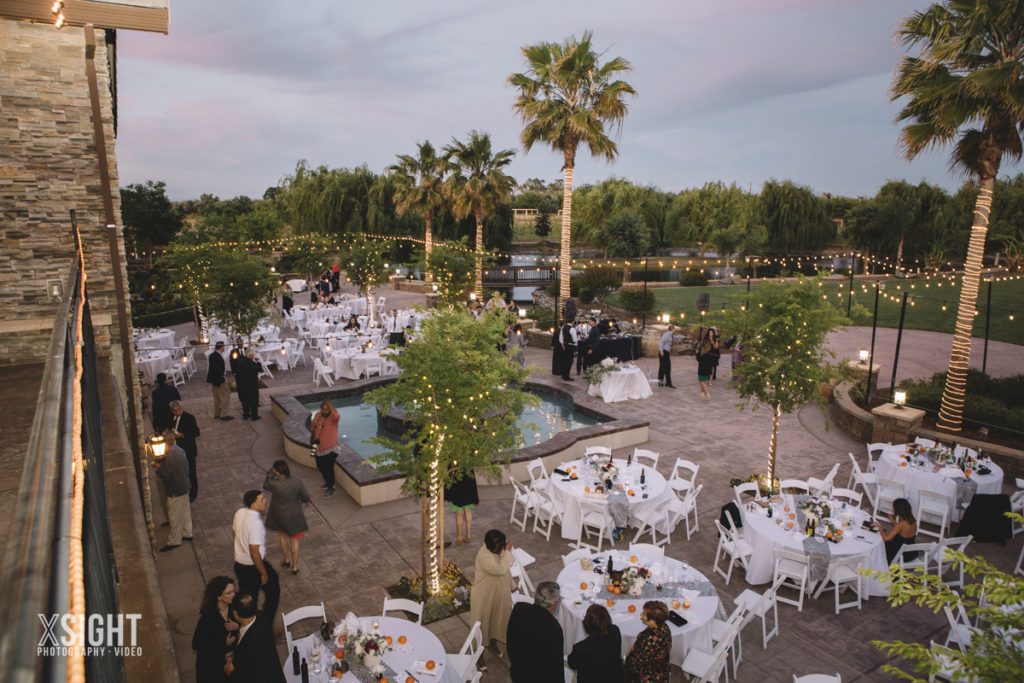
pixel 633 580
pixel 367 647
pixel 595 373
pixel 604 468
pixel 831 531
pixel 940 455
pixel 815 509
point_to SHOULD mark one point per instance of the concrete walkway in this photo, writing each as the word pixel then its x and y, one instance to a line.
pixel 351 553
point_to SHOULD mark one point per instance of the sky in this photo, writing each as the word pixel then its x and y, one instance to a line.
pixel 739 91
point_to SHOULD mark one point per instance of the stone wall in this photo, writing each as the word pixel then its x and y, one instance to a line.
pixel 48 166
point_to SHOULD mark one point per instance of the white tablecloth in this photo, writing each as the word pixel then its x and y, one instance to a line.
pixel 765 535
pixel 271 354
pixel 627 383
pixel 422 645
pixel 916 479
pixel 161 339
pixel 152 363
pixel 351 365
pixel 575 602
pixel 268 332
pixel 297 285
pixel 569 493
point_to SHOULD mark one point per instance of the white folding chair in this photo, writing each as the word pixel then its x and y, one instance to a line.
pixel 296 615
pixel 817 678
pixel 648 549
pixel 1017 505
pixel 264 367
pixel 546 512
pixel 651 520
pixel 684 475
pixel 463 664
pixel 861 479
pixel 594 518
pixel 760 604
pixel 1019 567
pixel 645 457
pixel 873 448
pixel 721 628
pixel 682 507
pixel 792 485
pixel 940 555
pixel 734 547
pixel 522 579
pixel 746 487
pixel 933 508
pixel 574 555
pixel 297 354
pixel 842 574
pixel 888 492
pixel 190 362
pixel 794 570
pixel 708 666
pixel 373 367
pixel 177 372
pixel 321 372
pixel 914 556
pixel 949 667
pixel 822 486
pixel 597 450
pixel 848 496
pixel 538 475
pixel 521 496
pixel 402 605
pixel 961 633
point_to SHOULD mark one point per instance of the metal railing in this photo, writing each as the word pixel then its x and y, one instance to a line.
pixel 515 275
pixel 60 545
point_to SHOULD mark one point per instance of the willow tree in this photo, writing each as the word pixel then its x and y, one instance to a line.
pixel 965 88
pixel 566 97
pixel 785 360
pixel 457 390
pixel 477 185
pixel 420 189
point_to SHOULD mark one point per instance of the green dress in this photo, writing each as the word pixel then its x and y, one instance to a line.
pixel 647 661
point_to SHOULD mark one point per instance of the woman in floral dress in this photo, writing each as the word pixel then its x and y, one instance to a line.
pixel 647 661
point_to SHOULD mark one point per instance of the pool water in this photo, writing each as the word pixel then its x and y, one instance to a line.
pixel 553 414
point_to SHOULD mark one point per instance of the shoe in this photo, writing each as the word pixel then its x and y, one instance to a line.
pixel 167 548
pixel 255 418
pixel 226 417
pixel 186 538
pixel 569 379
pixel 328 493
pixel 286 563
pixel 295 571
pixel 660 383
pixel 670 386
pixel 245 417
pixel 324 486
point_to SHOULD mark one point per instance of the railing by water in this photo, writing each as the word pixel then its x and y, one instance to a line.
pixel 520 275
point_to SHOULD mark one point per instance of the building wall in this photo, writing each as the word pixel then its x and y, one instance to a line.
pixel 48 166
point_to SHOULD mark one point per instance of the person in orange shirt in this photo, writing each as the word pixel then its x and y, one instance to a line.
pixel 324 445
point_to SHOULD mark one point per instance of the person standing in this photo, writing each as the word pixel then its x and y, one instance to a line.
pixel 247 379
pixel 394 328
pixel 237 353
pixel 582 335
pixel 665 358
pixel 172 470
pixel 324 442
pixel 287 303
pixel 254 573
pixel 535 640
pixel 490 599
pixel 462 497
pixel 517 341
pixel 598 657
pixel 255 659
pixel 186 431
pixel 707 359
pixel 564 350
pixel 162 396
pixel 648 659
pixel 592 338
pixel 215 377
pixel 285 515
pixel 215 632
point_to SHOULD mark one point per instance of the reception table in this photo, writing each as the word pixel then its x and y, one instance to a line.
pixel 627 383
pixel 158 339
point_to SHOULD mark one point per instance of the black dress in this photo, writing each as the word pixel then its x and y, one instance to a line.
pixel 462 492
pixel 893 545
pixel 210 645
pixel 598 659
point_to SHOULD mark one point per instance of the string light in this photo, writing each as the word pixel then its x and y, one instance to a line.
pixel 58 13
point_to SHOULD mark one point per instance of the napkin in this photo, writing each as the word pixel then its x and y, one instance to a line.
pixel 420 667
pixel 350 624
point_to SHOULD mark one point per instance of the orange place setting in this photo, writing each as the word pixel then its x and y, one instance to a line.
pixel 388 640
pixel 686 604
pixel 633 559
pixel 339 654
pixel 630 492
pixel 583 585
pixel 410 679
pixel 631 609
pixel 402 640
pixel 431 665
pixel 675 604
pixel 610 602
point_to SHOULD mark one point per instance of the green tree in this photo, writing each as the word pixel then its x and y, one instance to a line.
pixel 366 268
pixel 237 295
pixel 148 216
pixel 457 390
pixel 542 228
pixel 719 216
pixel 326 200
pixel 453 270
pixel 310 253
pixel 794 217
pixel 785 359
pixel 477 185
pixel 964 88
pixel 420 181
pixel 626 235
pixel 1007 226
pixel 566 97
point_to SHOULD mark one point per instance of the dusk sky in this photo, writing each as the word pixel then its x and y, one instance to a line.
pixel 732 90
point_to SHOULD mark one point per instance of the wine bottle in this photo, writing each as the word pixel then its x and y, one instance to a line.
pixel 611 566
pixel 305 671
pixel 643 478
pixel 295 660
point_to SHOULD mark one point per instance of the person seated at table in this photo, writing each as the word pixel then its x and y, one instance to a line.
pixel 902 532
pixel 535 640
pixel 648 659
pixel 597 658
pixel 353 324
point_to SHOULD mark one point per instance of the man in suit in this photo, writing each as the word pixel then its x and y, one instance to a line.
pixel 247 379
pixel 186 431
pixel 592 337
pixel 215 376
pixel 535 641
pixel 162 396
pixel 255 657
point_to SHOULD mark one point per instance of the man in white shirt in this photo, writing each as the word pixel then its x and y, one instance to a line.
pixel 396 333
pixel 253 572
pixel 665 358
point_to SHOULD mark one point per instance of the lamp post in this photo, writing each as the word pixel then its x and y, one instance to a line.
pixel 879 287
pixel 899 339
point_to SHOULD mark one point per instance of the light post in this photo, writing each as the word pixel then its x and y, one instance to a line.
pixel 879 287
pixel 899 339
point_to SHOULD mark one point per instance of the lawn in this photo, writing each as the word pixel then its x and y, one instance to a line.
pixel 926 312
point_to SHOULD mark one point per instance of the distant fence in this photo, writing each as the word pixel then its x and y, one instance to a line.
pixel 520 275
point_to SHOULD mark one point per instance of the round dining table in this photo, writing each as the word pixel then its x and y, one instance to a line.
pixel 157 339
pixel 401 660
pixel 568 493
pixel 894 465
pixel 152 363
pixel 626 383
pixel 684 590
pixel 765 534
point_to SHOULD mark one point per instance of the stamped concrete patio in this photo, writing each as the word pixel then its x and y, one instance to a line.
pixel 351 553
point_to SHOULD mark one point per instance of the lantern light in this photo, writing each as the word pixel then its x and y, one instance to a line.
pixel 899 397
pixel 864 355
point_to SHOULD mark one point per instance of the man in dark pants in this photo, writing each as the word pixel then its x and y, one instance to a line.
pixel 162 396
pixel 595 334
pixel 253 571
pixel 186 431
pixel 665 358
pixel 247 380
pixel 255 658
pixel 395 330
pixel 535 640
pixel 215 376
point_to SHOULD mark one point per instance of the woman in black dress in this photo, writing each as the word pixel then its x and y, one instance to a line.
pixel 215 633
pixel 598 657
pixel 462 497
pixel 903 531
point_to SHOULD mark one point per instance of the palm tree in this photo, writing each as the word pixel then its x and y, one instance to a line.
pixel 420 187
pixel 964 89
pixel 477 186
pixel 567 98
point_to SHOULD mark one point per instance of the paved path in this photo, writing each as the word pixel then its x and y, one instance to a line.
pixel 351 553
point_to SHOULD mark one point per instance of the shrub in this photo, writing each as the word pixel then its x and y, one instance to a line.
pixel 693 278
pixel 596 283
pixel 545 317
pixel 992 401
pixel 637 300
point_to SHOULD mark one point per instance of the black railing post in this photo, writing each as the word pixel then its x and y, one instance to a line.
pixel 899 339
pixel 871 355
pixel 849 295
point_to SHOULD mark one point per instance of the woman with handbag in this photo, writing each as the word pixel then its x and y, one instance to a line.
pixel 324 443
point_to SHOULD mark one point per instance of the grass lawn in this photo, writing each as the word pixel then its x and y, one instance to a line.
pixel 926 313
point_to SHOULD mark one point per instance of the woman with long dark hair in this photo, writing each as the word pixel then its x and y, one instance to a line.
pixel 903 531
pixel 598 657
pixel 215 633
pixel 285 515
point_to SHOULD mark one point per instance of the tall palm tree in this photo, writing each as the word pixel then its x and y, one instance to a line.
pixel 477 186
pixel 567 98
pixel 965 89
pixel 420 187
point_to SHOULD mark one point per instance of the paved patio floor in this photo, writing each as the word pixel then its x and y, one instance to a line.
pixel 351 553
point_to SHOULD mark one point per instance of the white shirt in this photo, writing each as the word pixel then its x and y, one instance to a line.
pixel 243 630
pixel 394 325
pixel 249 530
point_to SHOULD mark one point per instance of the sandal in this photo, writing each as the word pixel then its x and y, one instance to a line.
pixel 295 571
pixel 286 563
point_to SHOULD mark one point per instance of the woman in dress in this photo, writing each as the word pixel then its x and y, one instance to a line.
pixel 647 661
pixel 462 497
pixel 285 515
pixel 353 324
pixel 597 658
pixel 490 600
pixel 707 360
pixel 215 633
pixel 903 531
